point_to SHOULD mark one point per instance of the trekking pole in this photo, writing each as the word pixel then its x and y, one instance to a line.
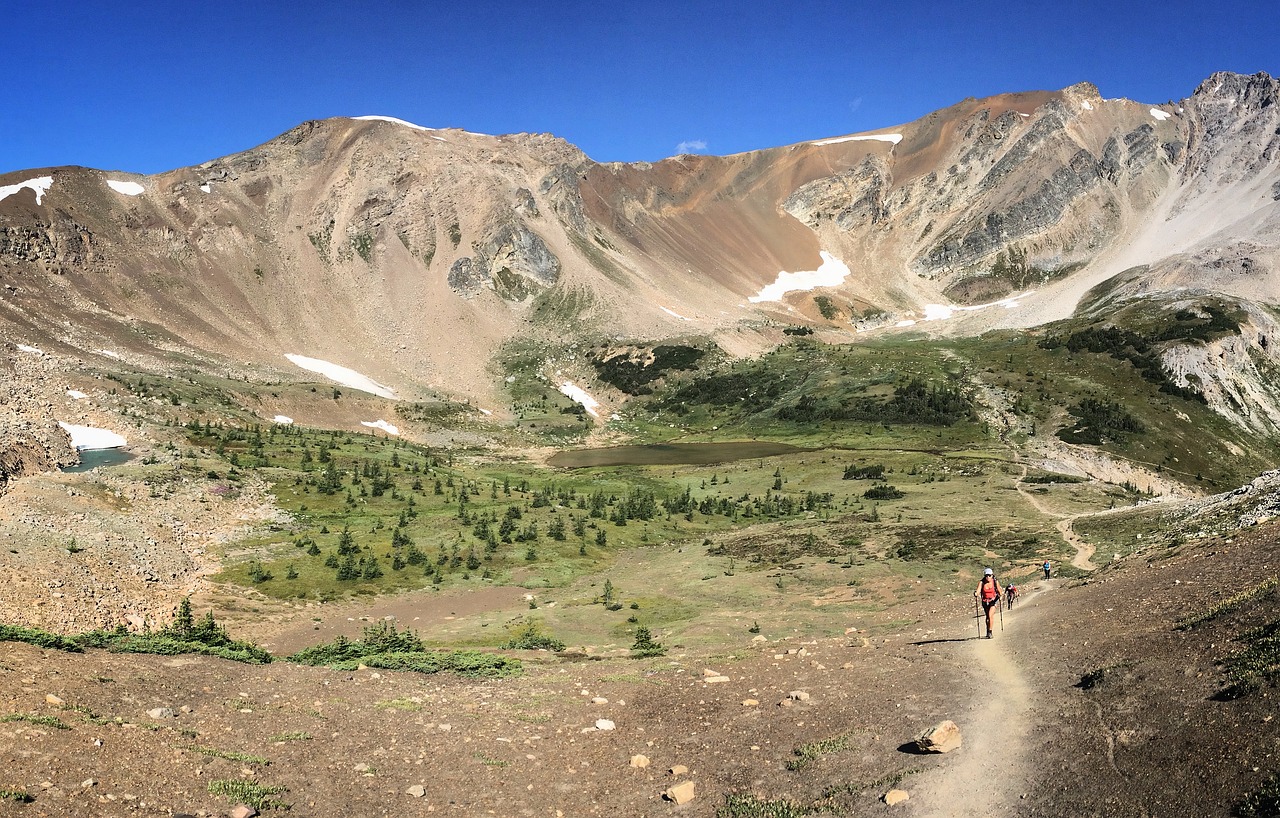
pixel 977 617
pixel 1002 619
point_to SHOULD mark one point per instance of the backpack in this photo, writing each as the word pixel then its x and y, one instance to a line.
pixel 990 590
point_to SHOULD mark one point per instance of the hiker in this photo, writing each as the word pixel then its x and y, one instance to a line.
pixel 988 593
pixel 1010 594
pixel 1046 569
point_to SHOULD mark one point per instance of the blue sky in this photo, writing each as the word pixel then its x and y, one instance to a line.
pixel 149 86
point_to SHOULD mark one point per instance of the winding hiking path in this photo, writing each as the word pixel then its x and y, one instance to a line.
pixel 1083 558
pixel 988 774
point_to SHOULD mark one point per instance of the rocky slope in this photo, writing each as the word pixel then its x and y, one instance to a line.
pixel 413 254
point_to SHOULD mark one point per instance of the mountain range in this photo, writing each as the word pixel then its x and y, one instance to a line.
pixel 413 255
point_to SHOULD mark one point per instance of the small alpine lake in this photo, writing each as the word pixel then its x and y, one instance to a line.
pixel 93 458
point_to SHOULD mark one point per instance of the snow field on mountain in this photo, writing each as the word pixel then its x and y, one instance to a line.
pixel 40 185
pixel 381 424
pixel 891 138
pixel 342 375
pixel 577 393
pixel 127 188
pixel 831 273
pixel 375 118
pixel 941 312
pixel 90 437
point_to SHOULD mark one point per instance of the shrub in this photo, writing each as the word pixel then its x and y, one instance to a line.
pixel 883 491
pixel 384 647
pixel 244 791
pixel 530 636
pixel 645 646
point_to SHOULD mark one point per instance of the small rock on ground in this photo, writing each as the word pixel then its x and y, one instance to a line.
pixel 896 797
pixel 681 793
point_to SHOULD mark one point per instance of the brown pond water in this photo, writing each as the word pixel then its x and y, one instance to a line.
pixel 670 454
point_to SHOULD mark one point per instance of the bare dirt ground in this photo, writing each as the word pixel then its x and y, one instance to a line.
pixel 1149 740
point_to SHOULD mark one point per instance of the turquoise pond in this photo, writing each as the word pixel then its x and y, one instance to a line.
pixel 93 458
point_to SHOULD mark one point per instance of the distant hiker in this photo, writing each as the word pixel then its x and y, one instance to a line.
pixel 1010 594
pixel 1046 569
pixel 988 594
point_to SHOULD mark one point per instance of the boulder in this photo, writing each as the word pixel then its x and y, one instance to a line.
pixel 681 793
pixel 943 737
pixel 639 761
pixel 896 797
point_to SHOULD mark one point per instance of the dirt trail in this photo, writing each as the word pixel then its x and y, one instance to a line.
pixel 1083 558
pixel 988 775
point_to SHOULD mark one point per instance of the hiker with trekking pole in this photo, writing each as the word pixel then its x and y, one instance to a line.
pixel 988 595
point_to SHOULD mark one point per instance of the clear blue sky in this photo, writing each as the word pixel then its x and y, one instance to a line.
pixel 147 86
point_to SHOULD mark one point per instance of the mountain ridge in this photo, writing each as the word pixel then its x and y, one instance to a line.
pixel 367 229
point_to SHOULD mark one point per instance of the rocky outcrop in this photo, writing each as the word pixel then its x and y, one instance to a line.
pixel 853 199
pixel 511 260
pixel 1238 374
pixel 52 245
pixel 27 448
pixel 1233 127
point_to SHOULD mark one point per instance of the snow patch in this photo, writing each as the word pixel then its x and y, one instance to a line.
pixel 577 393
pixel 127 188
pixel 108 353
pixel 941 312
pixel 891 138
pixel 283 420
pixel 342 375
pixel 484 411
pixel 40 185
pixel 31 349
pixel 1085 105
pixel 672 313
pixel 381 424
pixel 393 119
pixel 89 437
pixel 206 188
pixel 76 394
pixel 830 273
pixel 1160 115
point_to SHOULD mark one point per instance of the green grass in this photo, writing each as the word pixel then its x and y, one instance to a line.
pixel 293 735
pixel 1230 604
pixel 229 755
pixel 385 648
pixel 243 791
pixel 186 636
pixel 806 754
pixel 37 719
pixel 756 536
pixel 746 805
